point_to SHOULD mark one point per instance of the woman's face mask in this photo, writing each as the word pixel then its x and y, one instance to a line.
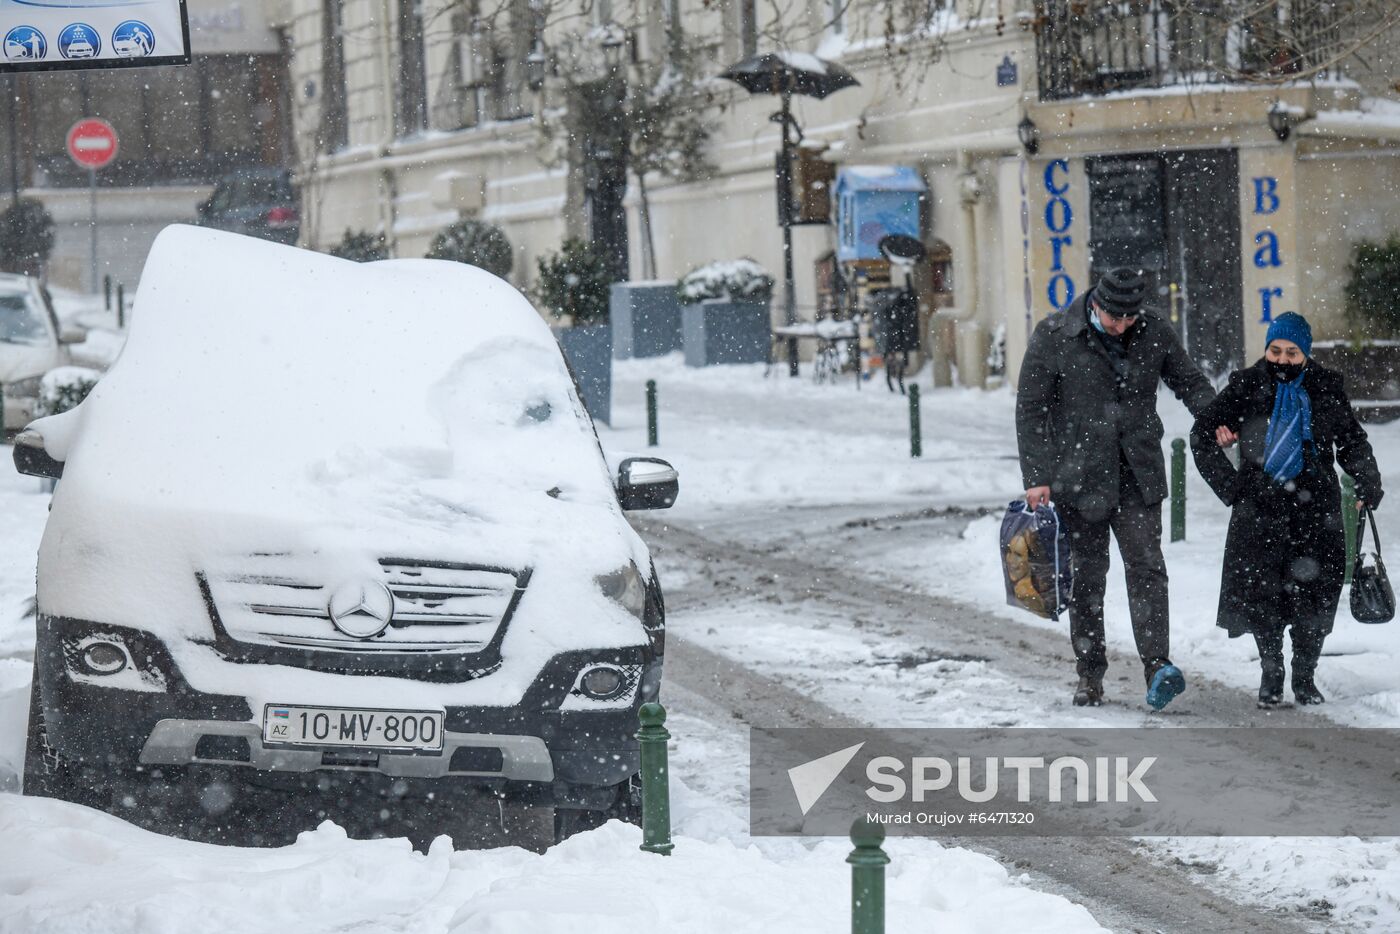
pixel 1284 372
pixel 1285 360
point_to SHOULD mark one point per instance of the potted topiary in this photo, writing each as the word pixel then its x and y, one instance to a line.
pixel 361 246
pixel 724 313
pixel 1370 362
pixel 573 287
pixel 476 243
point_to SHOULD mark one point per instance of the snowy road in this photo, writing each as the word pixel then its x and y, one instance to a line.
pixel 940 656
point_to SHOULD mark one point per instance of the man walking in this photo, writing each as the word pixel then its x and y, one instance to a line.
pixel 1089 434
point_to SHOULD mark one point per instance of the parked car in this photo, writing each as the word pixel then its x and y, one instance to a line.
pixel 339 540
pixel 32 342
pixel 257 202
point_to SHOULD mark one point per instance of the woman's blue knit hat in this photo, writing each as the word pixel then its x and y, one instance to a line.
pixel 1291 326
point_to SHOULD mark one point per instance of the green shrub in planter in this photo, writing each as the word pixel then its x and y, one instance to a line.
pixel 63 388
pixel 26 237
pixel 1373 291
pixel 475 243
pixel 576 281
pixel 361 246
pixel 740 280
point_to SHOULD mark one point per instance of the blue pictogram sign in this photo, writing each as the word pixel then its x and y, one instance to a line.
pixel 25 44
pixel 79 40
pixel 133 39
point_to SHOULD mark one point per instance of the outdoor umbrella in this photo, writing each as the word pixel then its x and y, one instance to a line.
pixel 788 73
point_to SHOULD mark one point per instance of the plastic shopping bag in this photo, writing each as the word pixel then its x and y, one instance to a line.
pixel 1035 559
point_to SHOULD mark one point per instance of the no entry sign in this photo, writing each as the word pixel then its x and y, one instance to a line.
pixel 92 143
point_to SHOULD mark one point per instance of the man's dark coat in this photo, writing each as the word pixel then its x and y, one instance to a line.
pixel 1078 407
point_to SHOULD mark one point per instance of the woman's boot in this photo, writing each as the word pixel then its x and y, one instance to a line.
pixel 1271 668
pixel 1307 648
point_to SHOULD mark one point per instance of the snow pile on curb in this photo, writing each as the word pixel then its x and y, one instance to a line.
pixel 76 870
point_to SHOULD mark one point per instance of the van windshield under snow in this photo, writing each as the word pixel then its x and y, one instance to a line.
pixel 20 321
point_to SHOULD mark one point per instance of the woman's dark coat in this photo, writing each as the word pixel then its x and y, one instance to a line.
pixel 1285 554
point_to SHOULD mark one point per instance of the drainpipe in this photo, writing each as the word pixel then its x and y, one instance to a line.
pixel 964 344
pixel 387 184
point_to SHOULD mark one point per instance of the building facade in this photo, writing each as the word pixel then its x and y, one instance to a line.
pixel 1053 144
pixel 179 129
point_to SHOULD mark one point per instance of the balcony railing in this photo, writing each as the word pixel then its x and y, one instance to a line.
pixel 1095 47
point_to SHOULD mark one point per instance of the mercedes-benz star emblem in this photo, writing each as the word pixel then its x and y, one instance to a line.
pixel 362 610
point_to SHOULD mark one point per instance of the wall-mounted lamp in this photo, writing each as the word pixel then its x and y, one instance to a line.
pixel 1029 135
pixel 536 66
pixel 1280 121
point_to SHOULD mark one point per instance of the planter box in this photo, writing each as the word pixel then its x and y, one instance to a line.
pixel 1372 374
pixel 646 319
pixel 722 331
pixel 589 352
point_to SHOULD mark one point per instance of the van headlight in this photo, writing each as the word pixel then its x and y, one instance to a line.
pixel 626 587
pixel 27 388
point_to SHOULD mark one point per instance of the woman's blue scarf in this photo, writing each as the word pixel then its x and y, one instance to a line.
pixel 1289 427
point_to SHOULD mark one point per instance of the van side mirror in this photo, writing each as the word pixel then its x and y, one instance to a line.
pixel 647 483
pixel 72 334
pixel 32 459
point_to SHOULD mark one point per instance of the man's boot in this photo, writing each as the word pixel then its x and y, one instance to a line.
pixel 1307 648
pixel 1271 669
pixel 1090 691
pixel 1165 682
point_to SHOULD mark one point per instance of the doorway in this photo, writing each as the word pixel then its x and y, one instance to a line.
pixel 1176 216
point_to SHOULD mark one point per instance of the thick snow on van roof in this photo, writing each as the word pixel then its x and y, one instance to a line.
pixel 271 401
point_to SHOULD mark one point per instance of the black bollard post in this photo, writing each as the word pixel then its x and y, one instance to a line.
pixel 652 438
pixel 916 429
pixel 107 292
pixel 121 306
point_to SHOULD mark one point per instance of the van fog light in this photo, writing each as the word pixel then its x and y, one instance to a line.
pixel 602 683
pixel 104 658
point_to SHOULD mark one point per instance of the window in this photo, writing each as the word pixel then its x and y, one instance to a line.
pixel 838 16
pixel 412 111
pixel 334 126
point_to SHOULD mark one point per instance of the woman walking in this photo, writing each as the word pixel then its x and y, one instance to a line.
pixel 1285 553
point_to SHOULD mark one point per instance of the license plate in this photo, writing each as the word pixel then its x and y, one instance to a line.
pixel 344 726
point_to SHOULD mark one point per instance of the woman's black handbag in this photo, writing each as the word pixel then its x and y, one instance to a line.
pixel 1372 600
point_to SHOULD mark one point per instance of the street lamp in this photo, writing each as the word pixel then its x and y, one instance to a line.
pixel 1029 135
pixel 611 40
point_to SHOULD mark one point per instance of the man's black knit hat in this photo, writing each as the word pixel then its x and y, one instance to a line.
pixel 1120 292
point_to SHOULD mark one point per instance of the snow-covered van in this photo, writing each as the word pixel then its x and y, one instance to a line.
pixel 338 540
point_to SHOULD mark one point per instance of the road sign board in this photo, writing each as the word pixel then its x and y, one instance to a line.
pixel 92 143
pixel 41 35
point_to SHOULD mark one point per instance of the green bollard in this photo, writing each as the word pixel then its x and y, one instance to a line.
pixel 1349 522
pixel 1178 490
pixel 916 441
pixel 121 306
pixel 656 792
pixel 868 861
pixel 652 439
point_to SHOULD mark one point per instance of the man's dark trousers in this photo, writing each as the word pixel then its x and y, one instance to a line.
pixel 1138 529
